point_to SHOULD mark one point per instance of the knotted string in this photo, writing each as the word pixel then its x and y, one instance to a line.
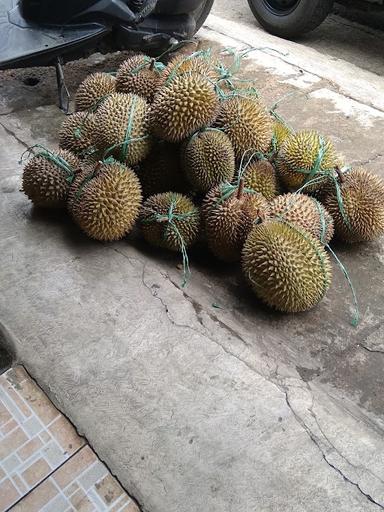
pixel 56 159
pixel 171 218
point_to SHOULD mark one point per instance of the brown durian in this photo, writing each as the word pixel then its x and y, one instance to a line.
pixel 229 213
pixel 359 216
pixel 93 90
pixel 48 176
pixel 138 75
pixel 304 212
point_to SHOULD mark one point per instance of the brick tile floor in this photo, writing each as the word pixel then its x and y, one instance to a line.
pixel 44 465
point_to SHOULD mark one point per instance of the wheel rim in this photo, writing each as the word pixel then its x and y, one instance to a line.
pixel 281 7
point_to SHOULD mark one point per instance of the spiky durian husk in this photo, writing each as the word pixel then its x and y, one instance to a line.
pixel 123 117
pixel 362 196
pixel 208 159
pixel 247 124
pixel 93 90
pixel 170 220
pixel 227 222
pixel 185 64
pixel 287 268
pixel 188 103
pixel 137 75
pixel 76 133
pixel 46 183
pixel 304 212
pixel 297 159
pixel 161 170
pixel 108 203
pixel 280 133
pixel 261 176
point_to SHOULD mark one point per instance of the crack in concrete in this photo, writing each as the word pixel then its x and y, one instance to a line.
pixel 273 379
pixel 371 350
pixel 316 442
pixel 370 160
pixel 13 134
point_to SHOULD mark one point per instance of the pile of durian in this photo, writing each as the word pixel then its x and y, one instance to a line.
pixel 190 153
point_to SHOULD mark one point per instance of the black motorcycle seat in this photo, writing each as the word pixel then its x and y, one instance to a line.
pixel 24 44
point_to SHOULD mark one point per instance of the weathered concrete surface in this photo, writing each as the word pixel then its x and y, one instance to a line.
pixel 194 406
pixel 350 34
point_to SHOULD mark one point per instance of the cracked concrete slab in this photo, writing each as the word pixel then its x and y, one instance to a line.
pixel 199 398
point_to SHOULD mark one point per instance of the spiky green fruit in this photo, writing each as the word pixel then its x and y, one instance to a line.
pixel 304 212
pixel 180 108
pixel 288 269
pixel 93 90
pixel 138 75
pixel 170 221
pixel 208 159
pixel 247 124
pixel 261 176
pixel 47 177
pixel 122 128
pixel 304 156
pixel 106 203
pixel 229 213
pixel 359 215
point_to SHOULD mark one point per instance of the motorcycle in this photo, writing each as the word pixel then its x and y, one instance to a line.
pixel 49 32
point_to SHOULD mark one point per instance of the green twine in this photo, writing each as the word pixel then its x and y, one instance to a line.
pixel 356 317
pixel 147 61
pixel 127 138
pixel 52 157
pixel 170 217
pixel 205 54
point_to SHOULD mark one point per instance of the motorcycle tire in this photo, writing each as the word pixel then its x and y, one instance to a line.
pixel 202 12
pixel 290 18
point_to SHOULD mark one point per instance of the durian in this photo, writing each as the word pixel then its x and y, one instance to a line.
pixel 107 202
pixel 122 128
pixel 280 133
pixel 93 90
pixel 170 221
pixel 208 159
pixel 261 176
pixel 161 170
pixel 187 64
pixel 47 177
pixel 188 103
pixel 359 217
pixel 76 132
pixel 304 156
pixel 304 212
pixel 229 213
pixel 288 269
pixel 247 124
pixel 138 75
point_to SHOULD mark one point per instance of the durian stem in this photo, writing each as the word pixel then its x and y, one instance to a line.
pixel 339 173
pixel 260 216
pixel 240 189
pixel 152 64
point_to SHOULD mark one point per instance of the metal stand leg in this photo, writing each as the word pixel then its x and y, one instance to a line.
pixel 64 95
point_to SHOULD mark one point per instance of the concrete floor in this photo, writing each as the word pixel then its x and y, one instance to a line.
pixel 194 406
pixel 361 45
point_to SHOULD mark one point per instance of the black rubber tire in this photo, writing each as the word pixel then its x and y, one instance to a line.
pixel 304 17
pixel 202 12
